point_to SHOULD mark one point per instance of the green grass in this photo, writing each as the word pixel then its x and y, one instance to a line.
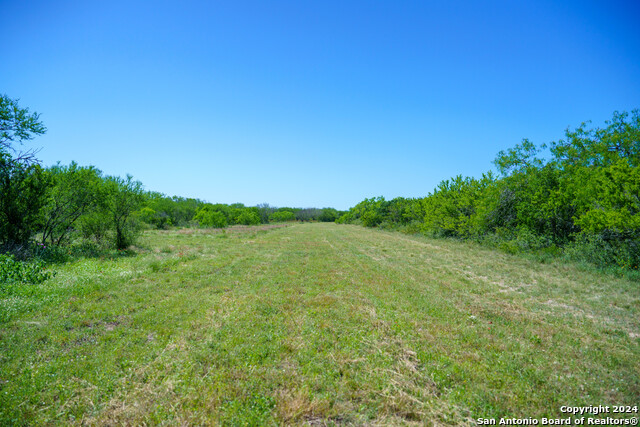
pixel 318 324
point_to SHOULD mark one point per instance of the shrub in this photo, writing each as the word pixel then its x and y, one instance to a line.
pixel 124 196
pixel 207 217
pixel 248 217
pixel 606 248
pixel 22 181
pixel 282 216
pixel 159 220
pixel 23 272
pixel 328 215
pixel 371 218
pixel 95 227
pixel 308 214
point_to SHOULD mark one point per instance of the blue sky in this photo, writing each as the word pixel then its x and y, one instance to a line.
pixel 299 103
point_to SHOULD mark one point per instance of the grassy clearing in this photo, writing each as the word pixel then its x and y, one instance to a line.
pixel 318 324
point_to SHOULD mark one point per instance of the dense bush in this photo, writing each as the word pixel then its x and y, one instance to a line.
pixel 607 249
pixel 583 199
pixel 170 211
pixel 33 272
pixel 157 220
pixel 208 216
pixel 123 196
pixel 72 192
pixel 22 189
pixel 328 215
pixel 282 216
pixel 22 181
pixel 307 214
pixel 248 217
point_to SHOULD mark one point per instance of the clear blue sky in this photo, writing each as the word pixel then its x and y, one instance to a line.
pixel 302 103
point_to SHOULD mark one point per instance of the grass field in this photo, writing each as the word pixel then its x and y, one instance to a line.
pixel 314 323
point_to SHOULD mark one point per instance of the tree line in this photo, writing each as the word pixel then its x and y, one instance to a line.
pixel 578 197
pixel 57 205
pixel 162 212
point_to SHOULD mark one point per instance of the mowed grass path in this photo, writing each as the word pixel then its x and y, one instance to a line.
pixel 319 324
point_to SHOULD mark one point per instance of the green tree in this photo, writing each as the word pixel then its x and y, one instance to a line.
pixel 124 196
pixel 308 214
pixel 452 209
pixel 618 202
pixel 328 215
pixel 209 216
pixel 96 224
pixel 265 211
pixel 402 211
pixel 518 159
pixel 22 182
pixel 369 212
pixel 73 191
pixel 248 217
pixel 601 146
pixel 282 216
pixel 16 126
pixel 22 195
